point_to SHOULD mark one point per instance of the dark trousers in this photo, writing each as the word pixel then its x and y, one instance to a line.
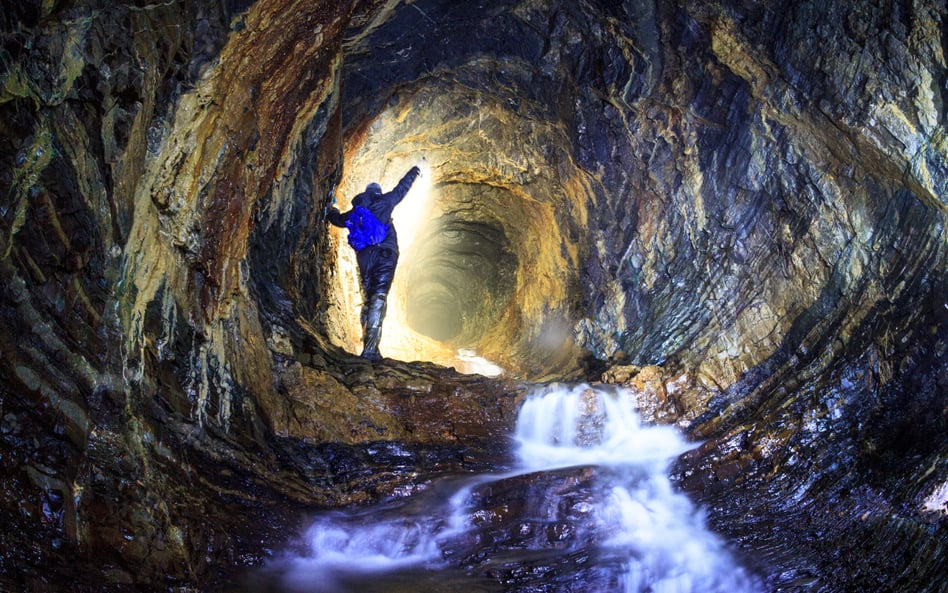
pixel 377 270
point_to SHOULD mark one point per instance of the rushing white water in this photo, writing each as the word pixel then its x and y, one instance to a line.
pixel 650 537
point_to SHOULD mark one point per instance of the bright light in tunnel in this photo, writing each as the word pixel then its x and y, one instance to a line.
pixel 416 210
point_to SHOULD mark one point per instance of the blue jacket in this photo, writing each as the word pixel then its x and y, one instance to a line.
pixel 381 206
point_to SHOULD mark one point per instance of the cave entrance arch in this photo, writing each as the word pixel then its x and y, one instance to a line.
pixel 490 235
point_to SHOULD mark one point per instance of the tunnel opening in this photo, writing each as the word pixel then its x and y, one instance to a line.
pixel 460 280
pixel 490 265
pixel 489 235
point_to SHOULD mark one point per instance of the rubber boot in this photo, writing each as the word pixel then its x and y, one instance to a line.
pixel 372 329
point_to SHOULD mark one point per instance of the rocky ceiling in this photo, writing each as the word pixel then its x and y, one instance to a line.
pixel 749 196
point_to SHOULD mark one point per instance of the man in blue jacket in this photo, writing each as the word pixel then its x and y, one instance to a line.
pixel 372 235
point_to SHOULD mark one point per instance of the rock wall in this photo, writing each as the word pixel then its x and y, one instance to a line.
pixel 750 198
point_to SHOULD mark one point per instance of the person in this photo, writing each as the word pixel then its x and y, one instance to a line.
pixel 376 252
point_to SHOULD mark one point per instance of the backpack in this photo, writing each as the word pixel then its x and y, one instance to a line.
pixel 364 228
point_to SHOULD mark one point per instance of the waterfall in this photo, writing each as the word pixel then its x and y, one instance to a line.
pixel 587 508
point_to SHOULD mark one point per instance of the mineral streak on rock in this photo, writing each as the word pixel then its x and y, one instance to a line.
pixel 736 209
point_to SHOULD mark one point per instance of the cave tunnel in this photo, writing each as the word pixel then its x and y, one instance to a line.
pixel 489 235
pixel 734 209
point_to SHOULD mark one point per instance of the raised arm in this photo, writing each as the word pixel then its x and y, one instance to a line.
pixel 395 196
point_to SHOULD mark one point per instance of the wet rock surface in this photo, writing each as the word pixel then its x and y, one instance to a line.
pixel 737 209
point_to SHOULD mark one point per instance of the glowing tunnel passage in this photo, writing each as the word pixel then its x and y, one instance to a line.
pixel 488 236
pixel 460 278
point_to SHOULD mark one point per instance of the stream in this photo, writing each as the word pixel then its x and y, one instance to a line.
pixel 587 506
